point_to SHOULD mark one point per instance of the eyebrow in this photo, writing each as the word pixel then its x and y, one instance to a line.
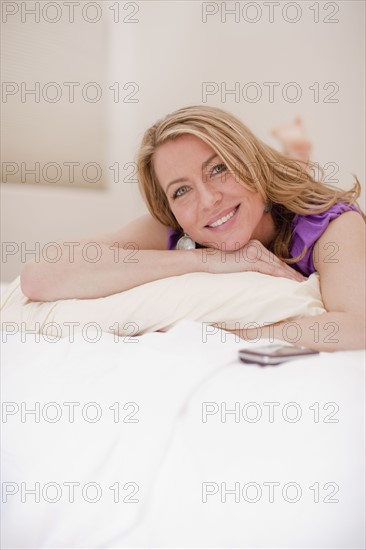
pixel 180 180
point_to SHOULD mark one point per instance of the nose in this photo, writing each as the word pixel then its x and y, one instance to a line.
pixel 209 196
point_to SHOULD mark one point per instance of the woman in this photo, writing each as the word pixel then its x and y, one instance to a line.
pixel 209 183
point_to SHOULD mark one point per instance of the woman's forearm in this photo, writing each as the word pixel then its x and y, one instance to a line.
pixel 112 270
pixel 331 331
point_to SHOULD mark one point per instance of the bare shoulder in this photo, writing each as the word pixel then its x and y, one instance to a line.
pixel 342 242
pixel 345 227
pixel 144 233
pixel 339 258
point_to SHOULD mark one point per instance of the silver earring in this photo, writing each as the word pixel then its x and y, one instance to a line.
pixel 267 207
pixel 185 243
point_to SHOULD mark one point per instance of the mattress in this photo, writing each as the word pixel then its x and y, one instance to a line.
pixel 167 440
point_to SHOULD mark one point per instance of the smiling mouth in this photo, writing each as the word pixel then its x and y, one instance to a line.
pixel 224 219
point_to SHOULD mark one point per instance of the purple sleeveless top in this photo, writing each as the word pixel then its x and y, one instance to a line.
pixel 306 230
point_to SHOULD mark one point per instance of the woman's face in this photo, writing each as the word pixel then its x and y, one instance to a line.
pixel 211 206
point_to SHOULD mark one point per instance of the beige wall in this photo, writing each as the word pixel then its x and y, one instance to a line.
pixel 168 53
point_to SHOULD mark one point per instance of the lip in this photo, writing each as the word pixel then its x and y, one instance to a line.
pixel 221 215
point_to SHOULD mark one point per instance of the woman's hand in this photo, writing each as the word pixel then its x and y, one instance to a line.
pixel 252 257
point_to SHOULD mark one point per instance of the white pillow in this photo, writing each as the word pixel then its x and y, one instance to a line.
pixel 233 299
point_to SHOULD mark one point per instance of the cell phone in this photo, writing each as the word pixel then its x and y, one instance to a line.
pixel 274 354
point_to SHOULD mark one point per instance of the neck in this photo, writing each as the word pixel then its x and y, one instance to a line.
pixel 267 231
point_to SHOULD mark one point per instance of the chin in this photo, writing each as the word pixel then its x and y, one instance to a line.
pixel 233 246
pixel 225 246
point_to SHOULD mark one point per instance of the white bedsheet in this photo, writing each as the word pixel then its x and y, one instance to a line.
pixel 170 457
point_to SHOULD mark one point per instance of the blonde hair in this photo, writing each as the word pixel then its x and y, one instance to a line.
pixel 284 183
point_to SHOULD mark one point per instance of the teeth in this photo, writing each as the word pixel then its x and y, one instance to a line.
pixel 224 219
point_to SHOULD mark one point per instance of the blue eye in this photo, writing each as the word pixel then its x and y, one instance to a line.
pixel 177 193
pixel 222 166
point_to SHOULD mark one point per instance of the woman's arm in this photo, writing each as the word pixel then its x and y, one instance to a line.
pixel 116 270
pixel 339 258
pixel 106 264
pixel 135 255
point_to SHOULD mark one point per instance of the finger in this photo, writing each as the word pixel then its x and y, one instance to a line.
pixel 295 274
pixel 292 273
pixel 298 276
pixel 284 271
pixel 271 269
pixel 266 256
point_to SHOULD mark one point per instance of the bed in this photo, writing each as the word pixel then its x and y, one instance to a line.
pixel 167 440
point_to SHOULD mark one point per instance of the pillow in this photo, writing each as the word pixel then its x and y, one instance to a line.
pixel 228 298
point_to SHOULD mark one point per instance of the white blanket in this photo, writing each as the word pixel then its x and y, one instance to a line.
pixel 172 455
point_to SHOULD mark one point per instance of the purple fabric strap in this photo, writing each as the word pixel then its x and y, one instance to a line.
pixel 306 230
